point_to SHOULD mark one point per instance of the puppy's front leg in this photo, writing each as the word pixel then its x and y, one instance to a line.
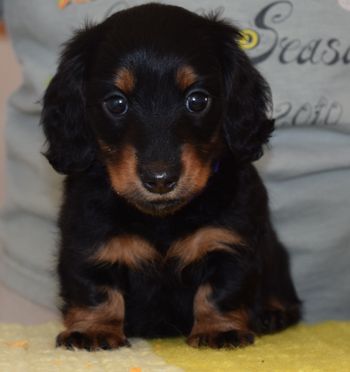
pixel 95 327
pixel 226 292
pixel 98 284
pixel 216 326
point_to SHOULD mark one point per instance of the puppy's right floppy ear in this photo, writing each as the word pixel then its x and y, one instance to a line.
pixel 248 125
pixel 71 146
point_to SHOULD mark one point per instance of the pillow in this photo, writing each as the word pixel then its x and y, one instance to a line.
pixel 303 50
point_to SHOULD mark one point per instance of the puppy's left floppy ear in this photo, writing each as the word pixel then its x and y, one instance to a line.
pixel 71 147
pixel 247 126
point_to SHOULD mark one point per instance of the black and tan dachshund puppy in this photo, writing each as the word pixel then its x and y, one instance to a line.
pixel 155 116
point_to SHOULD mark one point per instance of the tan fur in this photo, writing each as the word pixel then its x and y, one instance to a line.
pixel 208 319
pixel 104 320
pixel 275 304
pixel 203 241
pixel 185 77
pixel 129 250
pixel 125 80
pixel 122 170
pixel 195 171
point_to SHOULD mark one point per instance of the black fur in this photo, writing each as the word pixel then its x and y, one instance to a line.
pixel 153 41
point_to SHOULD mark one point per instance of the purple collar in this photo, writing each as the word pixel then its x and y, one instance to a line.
pixel 216 166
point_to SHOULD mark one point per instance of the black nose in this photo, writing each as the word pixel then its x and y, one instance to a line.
pixel 159 180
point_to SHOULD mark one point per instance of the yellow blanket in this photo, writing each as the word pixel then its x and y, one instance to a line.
pixel 321 347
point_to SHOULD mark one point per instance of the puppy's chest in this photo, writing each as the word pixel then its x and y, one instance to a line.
pixel 166 251
pixel 139 254
pixel 157 270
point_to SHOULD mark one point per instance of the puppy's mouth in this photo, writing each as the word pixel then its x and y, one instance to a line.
pixel 160 207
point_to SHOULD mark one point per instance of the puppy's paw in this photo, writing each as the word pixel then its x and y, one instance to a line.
pixel 271 321
pixel 90 341
pixel 217 340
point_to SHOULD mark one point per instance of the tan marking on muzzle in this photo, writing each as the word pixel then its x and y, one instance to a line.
pixel 122 170
pixel 196 172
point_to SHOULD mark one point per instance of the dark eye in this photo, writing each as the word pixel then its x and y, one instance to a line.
pixel 116 104
pixel 197 101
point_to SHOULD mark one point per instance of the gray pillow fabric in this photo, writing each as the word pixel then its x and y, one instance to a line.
pixel 303 50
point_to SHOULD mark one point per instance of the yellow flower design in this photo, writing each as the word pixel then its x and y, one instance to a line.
pixel 249 39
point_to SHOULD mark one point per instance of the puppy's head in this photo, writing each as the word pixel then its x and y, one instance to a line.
pixel 158 95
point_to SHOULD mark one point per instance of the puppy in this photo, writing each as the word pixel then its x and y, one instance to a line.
pixel 155 116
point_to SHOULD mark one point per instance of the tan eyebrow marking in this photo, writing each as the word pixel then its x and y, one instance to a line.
pixel 125 80
pixel 185 77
